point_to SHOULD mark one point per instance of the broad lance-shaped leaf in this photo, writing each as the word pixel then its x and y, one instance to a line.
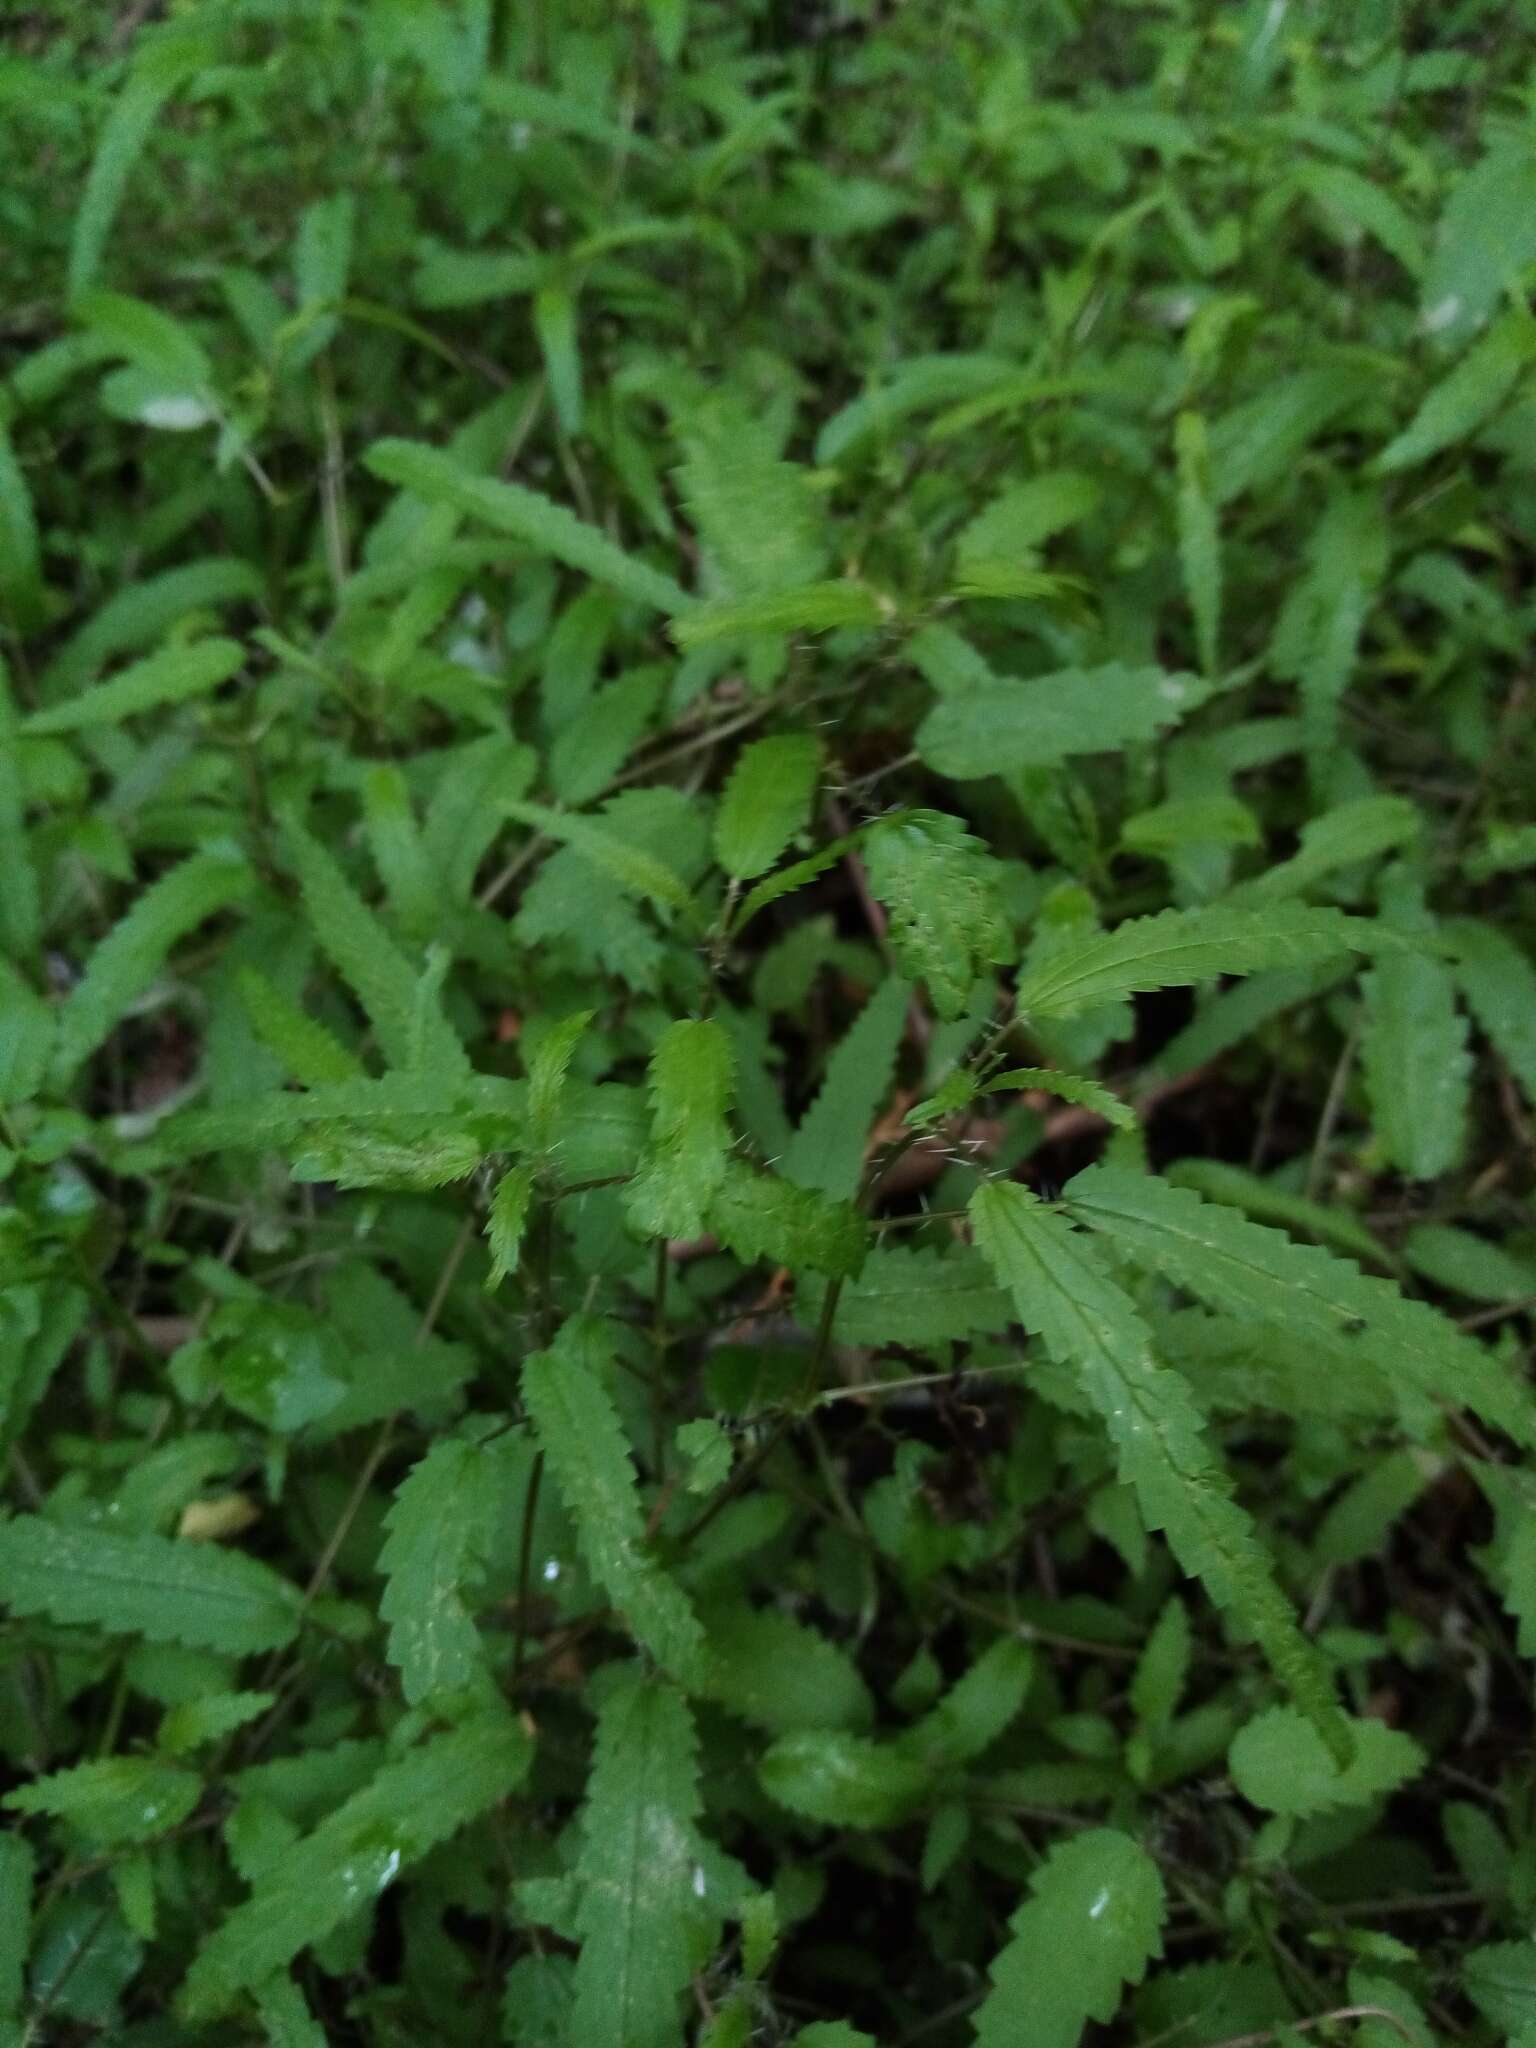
pixel 114 1799
pixel 643 1929
pixel 1277 1762
pixel 172 1592
pixel 916 1297
pixel 1179 947
pixel 766 801
pixel 940 886
pixel 1262 1275
pixel 1092 1923
pixel 630 866
pixel 761 519
pixel 1416 1063
pixel 17 1869
pixel 355 1853
pixel 167 678
pixel 549 1065
pixel 827 1150
pixel 761 1216
pixel 580 1434
pixel 997 728
pixel 400 1106
pixel 812 608
pixel 134 951
pixel 366 957
pixel 535 520
pixel 1078 1088
pixel 843 1780
pixel 1498 980
pixel 780 1674
pixel 690 1086
pixel 1460 403
pixel 1090 1325
pixel 1343 837
pixel 440 1527
pixel 306 1049
pixel 1199 539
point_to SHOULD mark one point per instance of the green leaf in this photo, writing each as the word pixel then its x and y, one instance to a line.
pixel 843 1780
pixel 1260 1275
pixel 629 865
pixel 172 1592
pixel 580 1434
pixel 399 849
pixel 786 880
pixel 1215 1181
pixel 1280 1762
pixel 976 1710
pixel 1163 1667
pixel 306 1049
pixel 1465 1263
pixel 1499 982
pixel 536 520
pixel 115 1800
pixel 638 1919
pixel 942 890
pixel 144 613
pixel 549 1063
pixel 1339 838
pixel 591 749
pixel 439 1532
pixel 1485 238
pixel 196 1722
pixel 1076 1088
pixel 475 277
pixel 1002 727
pixel 1092 1327
pixel 367 959
pixel 403 1108
pixel 554 322
pixel 360 1847
pixel 1195 821
pixel 1416 1064
pixel 1364 208
pixel 134 951
pixel 20 909
pixel 1090 1926
pixel 1010 529
pixel 690 1092
pixel 761 1216
pixel 812 608
pixel 288 2020
pixel 779 1674
pixel 21 560
pixel 1199 541
pixel 507 1219
pixel 762 524
pixel 919 1298
pixel 1500 1980
pixel 1461 402
pixel 827 1150
pixel 26 1039
pixel 17 1865
pixel 766 801
pixel 168 678
pixel 1179 947
pixel 127 128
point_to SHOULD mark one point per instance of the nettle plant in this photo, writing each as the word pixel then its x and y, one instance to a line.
pixel 599 1305
pixel 765 1211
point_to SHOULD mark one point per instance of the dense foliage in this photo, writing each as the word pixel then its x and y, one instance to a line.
pixel 767 1023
